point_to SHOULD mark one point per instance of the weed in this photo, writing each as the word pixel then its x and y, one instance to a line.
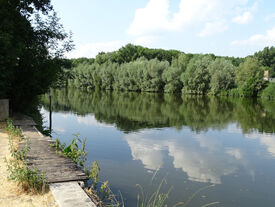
pixel 15 152
pixel 12 130
pixel 75 150
pixel 156 198
pixel 153 197
pixel 18 171
pixel 99 191
pixel 28 179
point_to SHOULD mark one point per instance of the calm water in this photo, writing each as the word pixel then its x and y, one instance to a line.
pixel 195 142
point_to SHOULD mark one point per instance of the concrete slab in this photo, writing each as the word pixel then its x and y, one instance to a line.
pixel 4 109
pixel 70 194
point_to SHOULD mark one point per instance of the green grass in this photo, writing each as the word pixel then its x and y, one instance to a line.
pixel 12 130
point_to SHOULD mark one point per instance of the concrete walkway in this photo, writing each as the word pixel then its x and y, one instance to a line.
pixel 70 194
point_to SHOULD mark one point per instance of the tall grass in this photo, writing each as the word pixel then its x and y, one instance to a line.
pixel 157 197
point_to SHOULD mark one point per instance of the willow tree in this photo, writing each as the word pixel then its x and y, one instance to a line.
pixel 221 75
pixel 196 78
pixel 250 77
pixel 32 43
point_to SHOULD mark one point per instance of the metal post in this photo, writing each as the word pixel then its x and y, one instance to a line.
pixel 50 118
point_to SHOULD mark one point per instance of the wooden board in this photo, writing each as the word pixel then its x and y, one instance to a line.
pixel 22 120
pixel 43 157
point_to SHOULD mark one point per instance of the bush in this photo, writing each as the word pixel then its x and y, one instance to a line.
pixel 269 91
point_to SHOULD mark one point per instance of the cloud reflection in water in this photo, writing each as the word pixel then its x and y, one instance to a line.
pixel 202 157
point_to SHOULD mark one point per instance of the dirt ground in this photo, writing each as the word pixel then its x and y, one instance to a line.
pixel 10 195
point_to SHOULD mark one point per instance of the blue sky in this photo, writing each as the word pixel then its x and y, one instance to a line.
pixel 222 27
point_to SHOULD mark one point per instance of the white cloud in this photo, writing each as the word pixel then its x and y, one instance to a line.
pixel 269 142
pixel 205 142
pixel 243 19
pixel 235 152
pixel 196 157
pixel 247 14
pixel 260 40
pixel 156 16
pixel 145 40
pixel 153 17
pixel 200 165
pixel 145 150
pixel 265 139
pixel 90 50
pixel 213 28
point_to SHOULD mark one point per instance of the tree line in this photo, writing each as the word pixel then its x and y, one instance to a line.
pixel 136 68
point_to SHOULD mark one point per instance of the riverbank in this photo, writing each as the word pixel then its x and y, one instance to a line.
pixel 10 194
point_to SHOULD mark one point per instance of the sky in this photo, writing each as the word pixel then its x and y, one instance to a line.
pixel 223 27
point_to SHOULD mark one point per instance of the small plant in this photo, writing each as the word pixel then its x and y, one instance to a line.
pixel 15 152
pixel 75 150
pixel 99 191
pixel 28 179
pixel 13 131
pixel 153 197
pixel 18 171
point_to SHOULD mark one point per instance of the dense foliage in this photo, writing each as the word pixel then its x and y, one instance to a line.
pixel 135 68
pixel 131 53
pixel 269 92
pixel 267 59
pixel 32 43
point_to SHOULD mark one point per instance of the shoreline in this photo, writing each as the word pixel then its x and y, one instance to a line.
pixel 10 194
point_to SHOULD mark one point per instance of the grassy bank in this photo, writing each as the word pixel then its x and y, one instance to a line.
pixel 11 193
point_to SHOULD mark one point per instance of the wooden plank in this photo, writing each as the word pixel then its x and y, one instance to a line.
pixel 43 157
pixel 24 123
pixel 22 120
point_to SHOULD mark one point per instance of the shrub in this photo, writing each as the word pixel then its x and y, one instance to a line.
pixel 269 91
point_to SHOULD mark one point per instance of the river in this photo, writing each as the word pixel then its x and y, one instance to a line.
pixel 219 150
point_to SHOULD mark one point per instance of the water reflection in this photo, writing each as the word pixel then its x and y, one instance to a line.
pixel 149 152
pixel 90 120
pixel 135 111
pixel 194 140
pixel 268 140
pixel 202 158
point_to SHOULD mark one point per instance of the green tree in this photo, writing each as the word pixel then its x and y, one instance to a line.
pixel 182 61
pixel 267 59
pixel 196 78
pixel 171 78
pixel 222 75
pixel 249 77
pixel 32 43
pixel 269 91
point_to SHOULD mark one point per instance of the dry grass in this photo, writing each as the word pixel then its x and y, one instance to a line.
pixel 10 194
